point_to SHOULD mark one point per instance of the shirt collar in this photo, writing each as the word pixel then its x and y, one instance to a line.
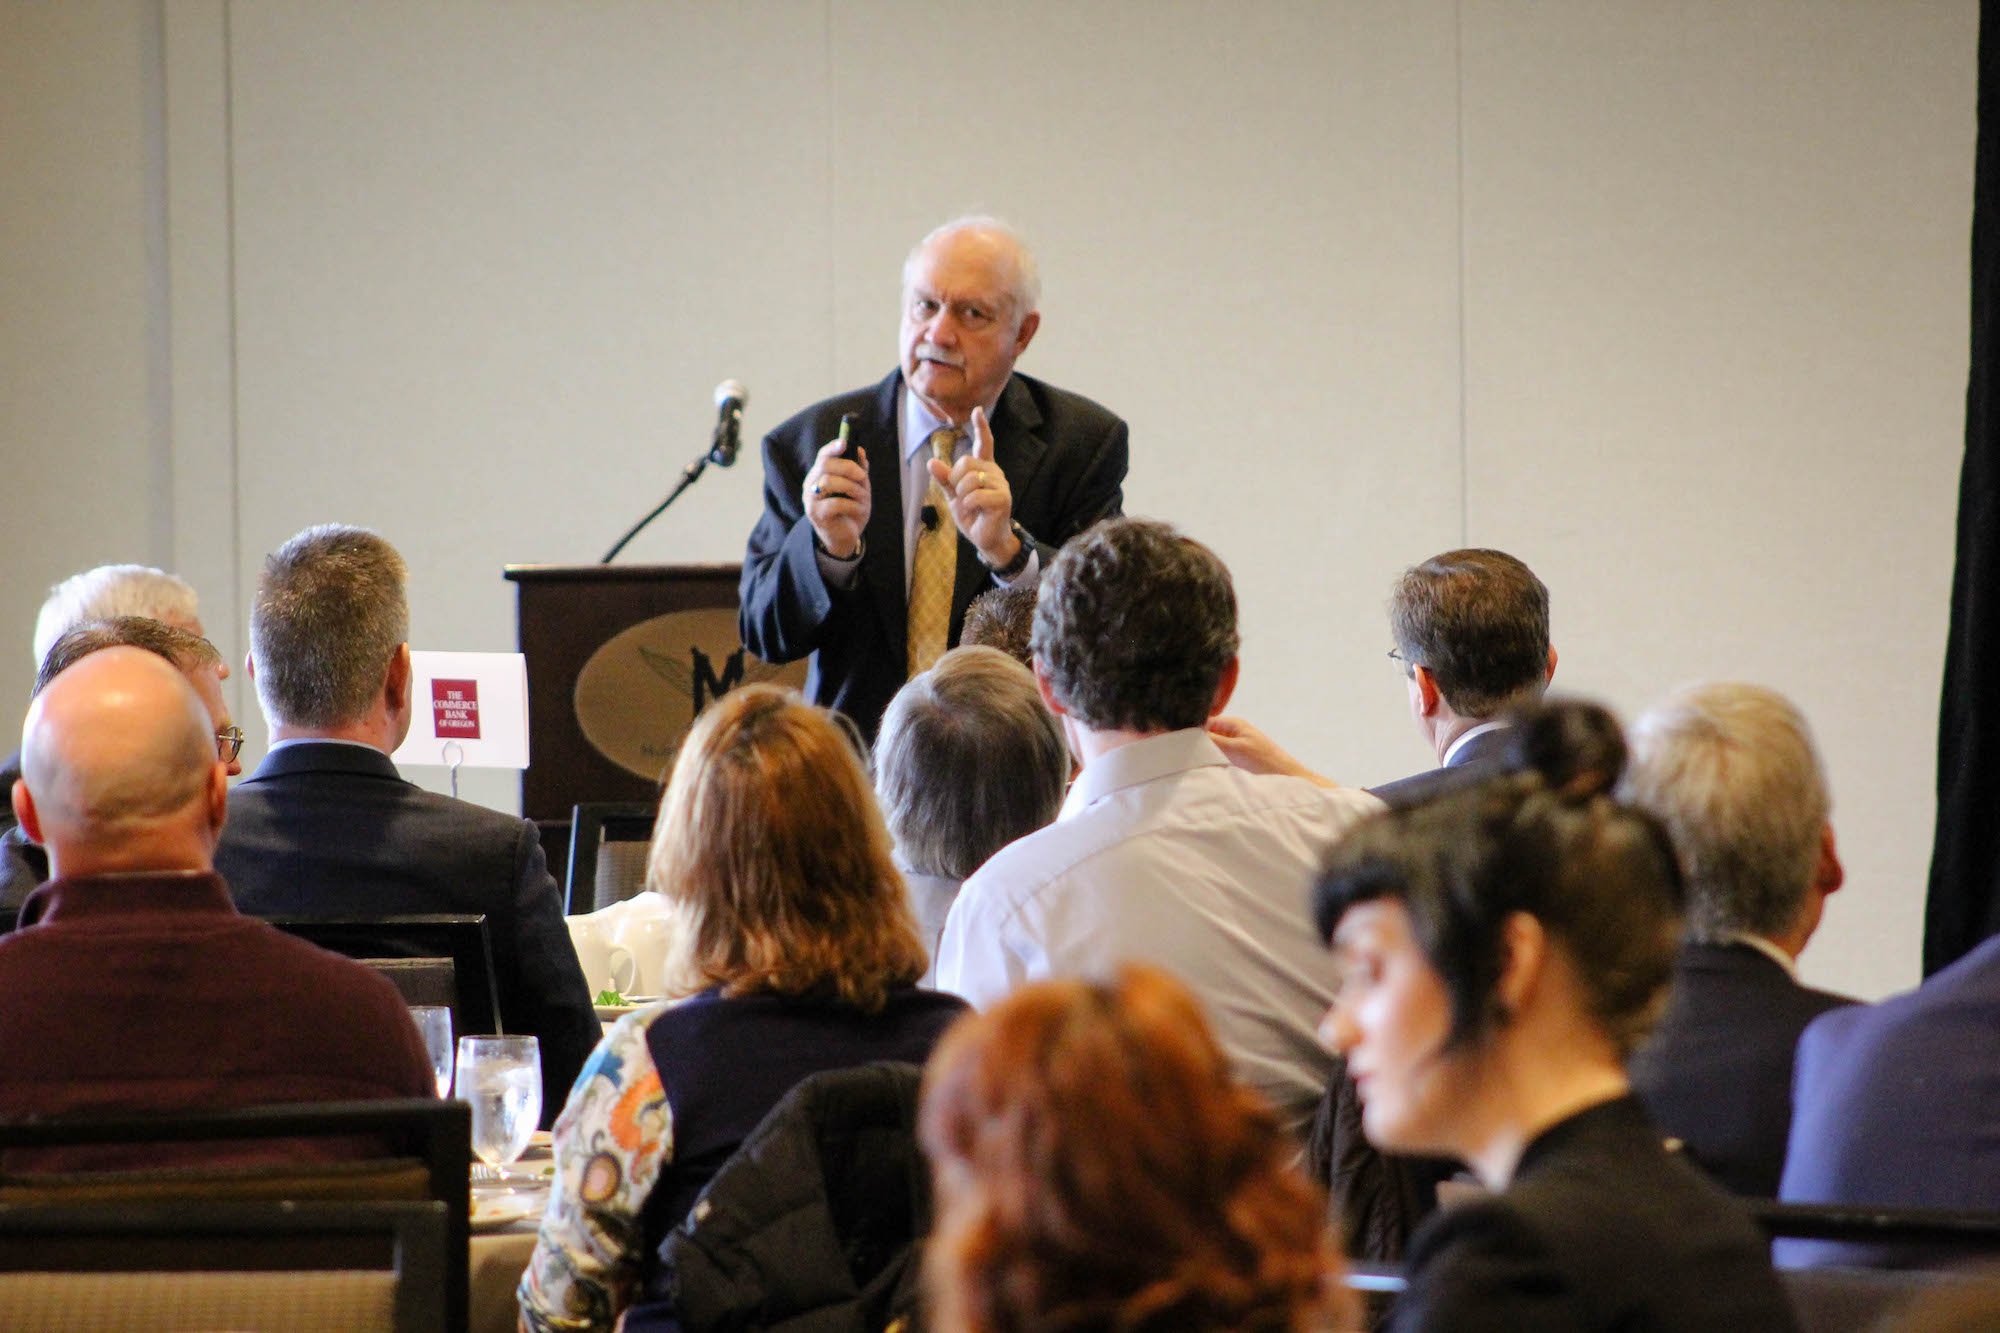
pixel 1142 761
pixel 1464 736
pixel 1765 947
pixel 320 740
pixel 125 894
pixel 918 423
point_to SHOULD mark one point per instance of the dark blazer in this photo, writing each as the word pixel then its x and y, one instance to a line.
pixel 1601 1229
pixel 1480 758
pixel 1717 1071
pixel 1064 457
pixel 326 829
pixel 1898 1104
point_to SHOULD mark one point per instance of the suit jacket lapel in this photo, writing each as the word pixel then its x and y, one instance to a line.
pixel 883 570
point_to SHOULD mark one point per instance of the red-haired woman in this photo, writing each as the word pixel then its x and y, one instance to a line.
pixel 1097 1168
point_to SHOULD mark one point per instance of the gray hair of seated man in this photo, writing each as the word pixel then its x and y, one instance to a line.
pixel 1730 769
pixel 109 591
pixel 329 613
pixel 188 652
pixel 968 760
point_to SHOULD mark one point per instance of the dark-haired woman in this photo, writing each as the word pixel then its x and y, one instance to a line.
pixel 1500 952
pixel 1098 1169
pixel 769 839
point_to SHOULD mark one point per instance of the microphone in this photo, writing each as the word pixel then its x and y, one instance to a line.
pixel 730 397
pixel 930 518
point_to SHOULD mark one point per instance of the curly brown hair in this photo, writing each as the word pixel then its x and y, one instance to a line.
pixel 769 834
pixel 1097 1168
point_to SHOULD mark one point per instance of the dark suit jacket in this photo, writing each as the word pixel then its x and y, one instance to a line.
pixel 325 829
pixel 1480 758
pixel 1898 1104
pixel 1601 1229
pixel 1717 1071
pixel 1064 457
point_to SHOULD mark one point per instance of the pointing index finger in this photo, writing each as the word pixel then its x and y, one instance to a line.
pixel 982 436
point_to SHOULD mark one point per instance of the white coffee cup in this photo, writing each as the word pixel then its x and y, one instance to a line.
pixel 606 964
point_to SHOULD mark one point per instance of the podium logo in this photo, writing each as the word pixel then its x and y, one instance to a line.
pixel 643 688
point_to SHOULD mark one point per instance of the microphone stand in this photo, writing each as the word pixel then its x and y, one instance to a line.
pixel 716 453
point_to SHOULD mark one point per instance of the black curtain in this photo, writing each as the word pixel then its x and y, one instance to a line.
pixel 1964 904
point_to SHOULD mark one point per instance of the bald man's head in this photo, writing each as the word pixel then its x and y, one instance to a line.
pixel 119 768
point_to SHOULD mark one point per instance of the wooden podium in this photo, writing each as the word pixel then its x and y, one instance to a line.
pixel 621 660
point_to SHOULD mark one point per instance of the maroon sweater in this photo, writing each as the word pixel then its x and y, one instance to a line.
pixel 151 992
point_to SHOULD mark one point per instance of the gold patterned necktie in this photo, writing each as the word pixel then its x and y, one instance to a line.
pixel 935 568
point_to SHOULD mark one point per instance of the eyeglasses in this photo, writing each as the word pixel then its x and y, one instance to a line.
pixel 1403 664
pixel 229 744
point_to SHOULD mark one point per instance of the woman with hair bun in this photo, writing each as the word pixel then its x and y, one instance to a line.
pixel 1097 1168
pixel 1500 952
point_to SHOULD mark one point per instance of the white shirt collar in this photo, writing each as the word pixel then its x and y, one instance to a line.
pixel 1465 736
pixel 1142 761
pixel 1765 947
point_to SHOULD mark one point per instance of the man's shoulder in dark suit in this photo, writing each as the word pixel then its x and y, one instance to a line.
pixel 1716 1073
pixel 328 829
pixel 1481 757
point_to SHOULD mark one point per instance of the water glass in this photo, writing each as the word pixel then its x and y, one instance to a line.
pixel 502 1078
pixel 434 1022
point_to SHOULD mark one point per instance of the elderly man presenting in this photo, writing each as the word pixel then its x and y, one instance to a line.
pixel 133 983
pixel 957 475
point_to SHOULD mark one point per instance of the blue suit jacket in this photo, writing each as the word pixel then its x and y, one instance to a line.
pixel 1064 457
pixel 1898 1104
pixel 325 829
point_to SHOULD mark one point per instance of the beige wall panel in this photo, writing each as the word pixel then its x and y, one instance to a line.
pixel 1246 218
pixel 1716 266
pixel 77 310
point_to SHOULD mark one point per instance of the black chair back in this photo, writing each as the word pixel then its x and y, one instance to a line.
pixel 434 1136
pixel 118 1265
pixel 475 1004
pixel 607 852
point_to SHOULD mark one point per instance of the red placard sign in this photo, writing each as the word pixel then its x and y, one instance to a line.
pixel 455 709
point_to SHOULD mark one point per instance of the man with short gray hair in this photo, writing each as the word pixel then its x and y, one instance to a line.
pixel 1163 852
pixel 958 475
pixel 969 760
pixel 1731 771
pixel 326 826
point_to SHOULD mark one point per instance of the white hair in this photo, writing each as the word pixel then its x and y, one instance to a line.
pixel 1730 769
pixel 1027 286
pixel 108 591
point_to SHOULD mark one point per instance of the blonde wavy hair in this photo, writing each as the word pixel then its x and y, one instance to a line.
pixel 769 839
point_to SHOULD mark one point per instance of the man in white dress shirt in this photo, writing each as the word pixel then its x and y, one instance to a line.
pixel 1163 852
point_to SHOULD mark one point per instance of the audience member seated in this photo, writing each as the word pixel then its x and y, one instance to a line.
pixel 969 758
pixel 1731 771
pixel 1163 852
pixel 1003 618
pixel 326 827
pixel 1472 636
pixel 95 594
pixel 195 658
pixel 132 983
pixel 769 834
pixel 1098 1169
pixel 1897 1105
pixel 1500 951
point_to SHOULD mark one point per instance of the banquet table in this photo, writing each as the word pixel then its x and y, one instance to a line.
pixel 499 1258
